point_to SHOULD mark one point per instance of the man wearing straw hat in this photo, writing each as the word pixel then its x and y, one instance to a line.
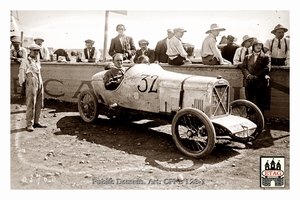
pixel 31 73
pixel 209 51
pixel 279 47
pixel 244 50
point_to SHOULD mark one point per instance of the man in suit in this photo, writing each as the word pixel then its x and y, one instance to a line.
pixel 161 48
pixel 91 53
pixel 144 51
pixel 122 44
pixel 254 68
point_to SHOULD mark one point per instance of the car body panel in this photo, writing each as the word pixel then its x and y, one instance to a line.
pixel 151 88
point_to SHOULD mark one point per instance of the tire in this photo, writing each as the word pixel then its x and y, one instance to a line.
pixel 193 133
pixel 88 106
pixel 247 109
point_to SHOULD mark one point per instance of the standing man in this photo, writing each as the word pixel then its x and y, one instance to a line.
pixel 209 52
pixel 91 53
pixel 228 50
pixel 254 68
pixel 279 47
pixel 175 50
pixel 144 51
pixel 122 44
pixel 31 73
pixel 44 52
pixel 244 50
pixel 161 48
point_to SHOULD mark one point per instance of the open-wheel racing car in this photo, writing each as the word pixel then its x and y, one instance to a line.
pixel 198 105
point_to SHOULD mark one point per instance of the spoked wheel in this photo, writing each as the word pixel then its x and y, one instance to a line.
pixel 88 106
pixel 193 133
pixel 247 109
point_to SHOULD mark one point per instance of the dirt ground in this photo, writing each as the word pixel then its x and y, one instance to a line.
pixel 130 154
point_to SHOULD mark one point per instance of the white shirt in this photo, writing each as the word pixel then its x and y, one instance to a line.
pixel 276 52
pixel 175 48
pixel 239 55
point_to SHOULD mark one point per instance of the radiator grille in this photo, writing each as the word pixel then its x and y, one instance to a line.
pixel 220 100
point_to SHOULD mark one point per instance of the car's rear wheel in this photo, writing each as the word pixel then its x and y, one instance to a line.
pixel 193 133
pixel 248 110
pixel 88 106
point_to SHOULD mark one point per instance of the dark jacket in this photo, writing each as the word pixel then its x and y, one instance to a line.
pixel 117 47
pixel 61 52
pixel 160 51
pixel 228 51
pixel 150 53
pixel 260 69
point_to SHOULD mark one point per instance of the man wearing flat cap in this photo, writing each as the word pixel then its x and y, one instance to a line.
pixel 161 48
pixel 209 52
pixel 228 50
pixel 44 54
pixel 175 49
pixel 30 73
pixel 17 53
pixel 90 53
pixel 144 50
pixel 279 47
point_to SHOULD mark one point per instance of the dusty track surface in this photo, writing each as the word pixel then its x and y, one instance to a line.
pixel 127 153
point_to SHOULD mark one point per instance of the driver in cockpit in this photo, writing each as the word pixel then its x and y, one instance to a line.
pixel 114 76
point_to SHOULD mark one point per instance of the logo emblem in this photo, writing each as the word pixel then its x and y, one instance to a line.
pixel 272 171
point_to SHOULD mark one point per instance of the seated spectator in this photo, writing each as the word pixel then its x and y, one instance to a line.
pixel 77 54
pixel 44 54
pixel 228 50
pixel 210 53
pixel 90 53
pixel 17 52
pixel 175 50
pixel 144 51
pixel 61 52
pixel 143 59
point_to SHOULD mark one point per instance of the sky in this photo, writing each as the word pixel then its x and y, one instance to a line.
pixel 70 28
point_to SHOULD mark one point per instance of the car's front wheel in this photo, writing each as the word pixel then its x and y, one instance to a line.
pixel 88 106
pixel 193 133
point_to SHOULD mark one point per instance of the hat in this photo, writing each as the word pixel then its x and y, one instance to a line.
pixel 215 27
pixel 90 41
pixel 179 30
pixel 257 42
pixel 245 38
pixel 143 42
pixel 170 30
pixel 16 40
pixel 34 47
pixel 230 37
pixel 279 26
pixel 38 39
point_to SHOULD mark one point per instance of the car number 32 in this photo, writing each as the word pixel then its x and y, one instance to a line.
pixel 148 80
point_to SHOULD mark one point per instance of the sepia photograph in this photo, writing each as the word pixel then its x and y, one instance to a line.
pixel 113 98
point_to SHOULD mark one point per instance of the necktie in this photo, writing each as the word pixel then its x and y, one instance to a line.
pixel 18 54
pixel 41 57
pixel 247 52
pixel 279 45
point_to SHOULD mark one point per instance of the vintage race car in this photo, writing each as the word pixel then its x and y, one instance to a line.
pixel 199 106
